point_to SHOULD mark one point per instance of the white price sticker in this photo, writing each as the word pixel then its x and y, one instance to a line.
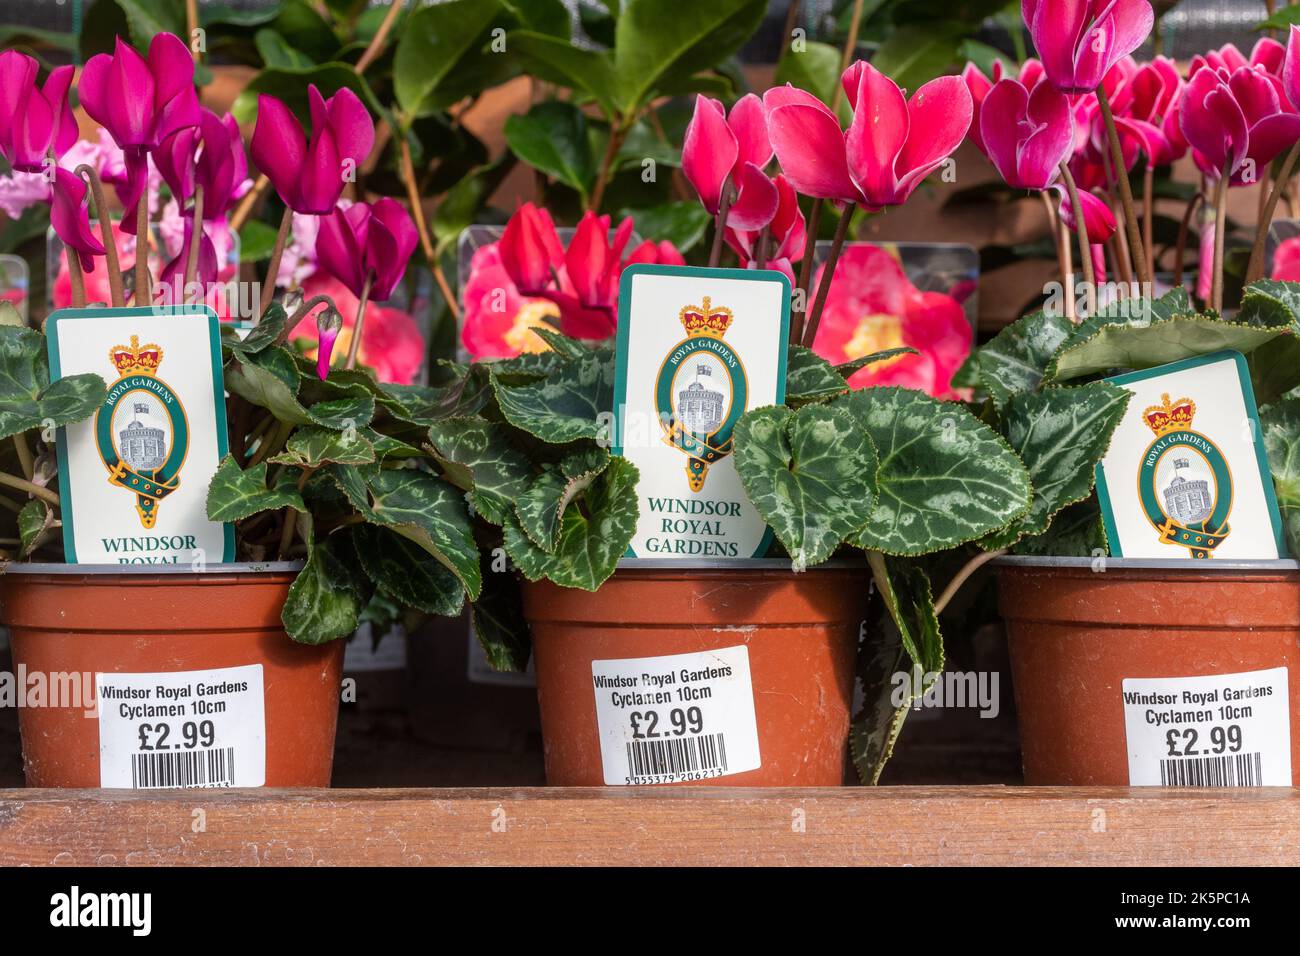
pixel 1226 730
pixel 182 729
pixel 676 718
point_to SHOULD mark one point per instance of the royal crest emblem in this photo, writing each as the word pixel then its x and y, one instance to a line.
pixel 141 430
pixel 1184 481
pixel 701 390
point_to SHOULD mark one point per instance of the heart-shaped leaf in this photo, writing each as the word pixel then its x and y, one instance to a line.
pixel 592 537
pixel 312 447
pixel 236 493
pixel 407 571
pixel 810 378
pixel 1015 359
pixel 945 477
pixel 811 474
pixel 571 404
pixel 35 520
pixel 480 458
pixel 432 514
pixel 324 601
pixel 499 622
pixel 29 400
pixel 540 508
pixel 1060 434
pixel 1077 531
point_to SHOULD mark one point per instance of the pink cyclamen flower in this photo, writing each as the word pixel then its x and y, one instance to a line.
pixel 979 85
pixel 787 235
pixel 662 253
pixel 171 280
pixel 35 121
pixel 1078 41
pixel 1026 135
pixel 1098 219
pixel 310 174
pixel 1291 68
pixel 210 155
pixel 594 263
pixel 891 146
pixel 719 149
pixel 367 242
pixel 531 250
pixel 70 219
pixel 1146 113
pixel 1235 123
pixel 140 102
pixel 328 324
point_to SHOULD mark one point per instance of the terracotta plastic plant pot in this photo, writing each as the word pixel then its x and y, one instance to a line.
pixel 88 620
pixel 1077 634
pixel 796 633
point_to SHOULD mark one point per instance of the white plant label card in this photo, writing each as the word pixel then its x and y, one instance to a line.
pixel 1186 474
pixel 134 476
pixel 697 348
pixel 676 718
pixel 1226 730
pixel 182 729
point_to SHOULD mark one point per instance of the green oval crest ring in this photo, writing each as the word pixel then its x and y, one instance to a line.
pixel 141 430
pixel 1184 481
pixel 701 390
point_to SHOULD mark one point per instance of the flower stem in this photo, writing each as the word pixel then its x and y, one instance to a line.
pixel 273 269
pixel 616 136
pixel 1067 271
pixel 962 576
pixel 761 261
pixel 196 241
pixel 1081 231
pixel 291 516
pixel 720 226
pixel 355 345
pixel 272 442
pixel 1140 266
pixel 245 207
pixel 1220 219
pixel 380 39
pixel 846 57
pixel 143 293
pixel 111 262
pixel 407 168
pixel 24 455
pixel 30 487
pixel 299 315
pixel 74 275
pixel 828 270
pixel 1149 218
pixel 805 272
pixel 1255 270
pixel 1180 249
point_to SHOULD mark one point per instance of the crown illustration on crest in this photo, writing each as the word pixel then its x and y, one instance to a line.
pixel 1169 416
pixel 706 319
pixel 128 359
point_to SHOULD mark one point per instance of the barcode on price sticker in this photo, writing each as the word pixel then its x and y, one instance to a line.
pixel 182 729
pixel 1225 730
pixel 676 718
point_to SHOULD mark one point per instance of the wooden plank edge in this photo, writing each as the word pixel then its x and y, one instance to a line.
pixel 890 826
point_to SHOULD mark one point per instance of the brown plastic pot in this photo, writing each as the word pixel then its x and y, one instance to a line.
pixel 801 631
pixel 1075 634
pixel 106 619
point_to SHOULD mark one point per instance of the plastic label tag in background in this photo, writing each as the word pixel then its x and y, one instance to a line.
pixel 182 729
pixel 1227 730
pixel 676 718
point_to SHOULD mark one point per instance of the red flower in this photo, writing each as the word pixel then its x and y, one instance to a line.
pixel 873 306
pixel 1286 260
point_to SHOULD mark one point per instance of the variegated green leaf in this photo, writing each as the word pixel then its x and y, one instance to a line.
pixel 1274 371
pixel 1077 531
pixel 1139 347
pixel 479 457
pixel 263 335
pixel 313 446
pixel 343 413
pixel 810 378
pixel 407 571
pixel 846 369
pixel 1134 312
pixel 811 474
pixel 499 622
pixel 324 602
pixel 268 379
pixel 592 538
pixel 1060 434
pixel 28 400
pixel 431 513
pixel 1270 302
pixel 572 403
pixel 561 344
pixel 1281 426
pixel 236 493
pixel 1014 360
pixel 540 508
pixel 35 521
pixel 526 368
pixel 945 477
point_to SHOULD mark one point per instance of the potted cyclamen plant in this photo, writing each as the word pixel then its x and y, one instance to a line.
pixel 327 481
pixel 1088 631
pixel 833 472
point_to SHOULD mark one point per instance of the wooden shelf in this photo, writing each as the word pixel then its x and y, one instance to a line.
pixel 949 826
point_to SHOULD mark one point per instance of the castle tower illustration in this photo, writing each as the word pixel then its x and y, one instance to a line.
pixel 143 447
pixel 1188 501
pixel 699 407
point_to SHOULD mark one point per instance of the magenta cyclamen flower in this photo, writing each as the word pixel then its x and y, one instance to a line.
pixel 1078 41
pixel 719 149
pixel 328 324
pixel 172 279
pixel 71 221
pixel 367 242
pixel 1235 123
pixel 220 168
pixel 310 174
pixel 140 102
pixel 1026 135
pixel 35 121
pixel 891 146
